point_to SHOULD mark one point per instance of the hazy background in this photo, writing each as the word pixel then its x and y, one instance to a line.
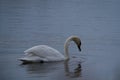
pixel 25 23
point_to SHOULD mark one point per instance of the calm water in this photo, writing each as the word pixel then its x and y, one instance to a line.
pixel 25 23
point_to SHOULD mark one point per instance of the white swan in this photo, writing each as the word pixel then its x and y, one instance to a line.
pixel 44 53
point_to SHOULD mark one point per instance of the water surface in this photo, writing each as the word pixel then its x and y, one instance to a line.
pixel 25 23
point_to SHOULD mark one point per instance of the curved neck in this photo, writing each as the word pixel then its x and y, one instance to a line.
pixel 66 45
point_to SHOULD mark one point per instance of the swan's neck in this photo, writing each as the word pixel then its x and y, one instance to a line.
pixel 66 45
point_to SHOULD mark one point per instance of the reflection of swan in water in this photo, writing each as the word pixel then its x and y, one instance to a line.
pixel 55 70
pixel 44 53
pixel 43 70
pixel 75 73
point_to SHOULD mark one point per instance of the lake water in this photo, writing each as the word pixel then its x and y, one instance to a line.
pixel 26 23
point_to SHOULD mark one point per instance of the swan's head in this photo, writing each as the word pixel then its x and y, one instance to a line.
pixel 77 41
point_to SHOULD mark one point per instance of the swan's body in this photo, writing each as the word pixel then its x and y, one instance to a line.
pixel 44 53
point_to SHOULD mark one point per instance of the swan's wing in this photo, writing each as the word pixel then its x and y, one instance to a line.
pixel 44 52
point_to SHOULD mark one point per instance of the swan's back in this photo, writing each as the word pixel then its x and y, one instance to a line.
pixel 45 53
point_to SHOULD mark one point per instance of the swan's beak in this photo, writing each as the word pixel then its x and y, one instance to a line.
pixel 79 47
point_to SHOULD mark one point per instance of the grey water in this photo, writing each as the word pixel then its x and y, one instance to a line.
pixel 26 23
